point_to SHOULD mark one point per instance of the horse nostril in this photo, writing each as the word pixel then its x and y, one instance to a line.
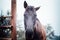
pixel 29 32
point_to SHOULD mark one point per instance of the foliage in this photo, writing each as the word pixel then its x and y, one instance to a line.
pixel 3 20
pixel 50 33
pixel 20 31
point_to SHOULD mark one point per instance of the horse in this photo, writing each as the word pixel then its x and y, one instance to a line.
pixel 34 30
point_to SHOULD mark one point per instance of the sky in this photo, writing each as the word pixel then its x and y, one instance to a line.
pixel 5 5
pixel 49 12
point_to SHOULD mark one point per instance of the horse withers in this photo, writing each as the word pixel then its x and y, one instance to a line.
pixel 33 27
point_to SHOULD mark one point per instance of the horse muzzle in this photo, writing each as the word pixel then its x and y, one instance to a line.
pixel 29 34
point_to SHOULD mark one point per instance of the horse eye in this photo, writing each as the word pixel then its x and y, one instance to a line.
pixel 35 15
pixel 31 9
pixel 25 15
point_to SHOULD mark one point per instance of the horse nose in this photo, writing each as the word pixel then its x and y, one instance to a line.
pixel 29 32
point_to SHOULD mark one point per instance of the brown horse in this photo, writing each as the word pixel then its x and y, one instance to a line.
pixel 33 27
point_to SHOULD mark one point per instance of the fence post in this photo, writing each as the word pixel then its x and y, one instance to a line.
pixel 13 19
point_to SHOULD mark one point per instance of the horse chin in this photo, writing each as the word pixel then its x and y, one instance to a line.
pixel 29 35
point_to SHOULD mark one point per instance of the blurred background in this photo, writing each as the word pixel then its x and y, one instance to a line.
pixel 48 14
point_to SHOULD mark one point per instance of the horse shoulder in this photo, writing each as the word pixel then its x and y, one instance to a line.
pixel 40 29
pixel 43 32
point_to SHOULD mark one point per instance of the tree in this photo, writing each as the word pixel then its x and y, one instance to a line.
pixel 20 32
pixel 49 32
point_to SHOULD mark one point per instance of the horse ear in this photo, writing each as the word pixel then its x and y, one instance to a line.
pixel 25 4
pixel 37 8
